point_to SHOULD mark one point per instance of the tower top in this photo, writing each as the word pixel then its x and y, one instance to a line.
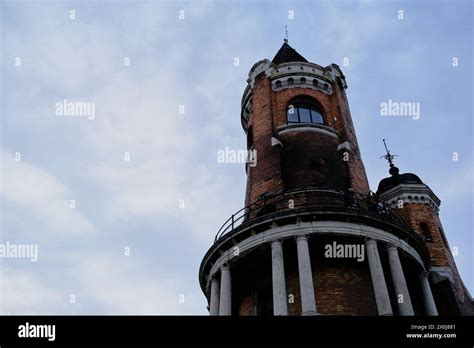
pixel 287 54
pixel 395 178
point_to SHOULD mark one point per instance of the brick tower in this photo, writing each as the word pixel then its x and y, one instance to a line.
pixel 312 239
pixel 419 206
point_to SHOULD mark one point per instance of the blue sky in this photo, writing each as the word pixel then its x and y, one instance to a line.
pixel 190 61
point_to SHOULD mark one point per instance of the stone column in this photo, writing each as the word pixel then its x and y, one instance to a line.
pixel 428 299
pixel 225 304
pixel 308 302
pixel 280 303
pixel 214 301
pixel 378 280
pixel 405 307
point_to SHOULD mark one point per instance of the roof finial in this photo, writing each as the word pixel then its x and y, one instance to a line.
pixel 389 157
pixel 286 34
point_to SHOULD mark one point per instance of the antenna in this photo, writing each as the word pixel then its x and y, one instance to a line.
pixel 389 157
pixel 286 34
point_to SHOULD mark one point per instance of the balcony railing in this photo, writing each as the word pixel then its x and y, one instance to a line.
pixel 308 199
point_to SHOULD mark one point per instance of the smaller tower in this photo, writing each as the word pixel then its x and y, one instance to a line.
pixel 419 206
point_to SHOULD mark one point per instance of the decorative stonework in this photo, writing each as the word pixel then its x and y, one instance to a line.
pixel 302 81
pixel 257 69
pixel 439 274
pixel 410 193
pixel 310 228
pixel 290 75
pixel 246 111
pixel 344 146
pixel 308 127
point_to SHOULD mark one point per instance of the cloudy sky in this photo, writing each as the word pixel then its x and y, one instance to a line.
pixel 123 205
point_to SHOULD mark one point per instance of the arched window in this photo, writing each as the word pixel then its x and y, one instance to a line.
pixel 303 80
pixel 278 84
pixel 304 110
pixel 291 82
pixel 315 83
pixel 425 230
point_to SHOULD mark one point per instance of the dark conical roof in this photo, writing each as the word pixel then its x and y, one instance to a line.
pixel 287 54
pixel 396 179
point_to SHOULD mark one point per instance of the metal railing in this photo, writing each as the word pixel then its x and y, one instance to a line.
pixel 310 198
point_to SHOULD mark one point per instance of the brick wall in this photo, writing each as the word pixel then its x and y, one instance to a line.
pixel 274 164
pixel 246 306
pixel 417 213
pixel 266 176
pixel 344 290
pixel 356 166
pixel 310 159
pixel 438 247
pixel 340 290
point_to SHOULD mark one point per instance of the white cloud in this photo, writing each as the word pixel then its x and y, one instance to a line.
pixel 459 185
pixel 346 30
pixel 167 157
pixel 101 283
pixel 24 292
pixel 172 62
pixel 128 285
pixel 41 193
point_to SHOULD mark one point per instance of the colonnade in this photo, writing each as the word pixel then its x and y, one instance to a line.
pixel 221 289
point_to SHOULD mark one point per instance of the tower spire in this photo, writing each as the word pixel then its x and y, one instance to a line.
pixel 286 34
pixel 389 157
